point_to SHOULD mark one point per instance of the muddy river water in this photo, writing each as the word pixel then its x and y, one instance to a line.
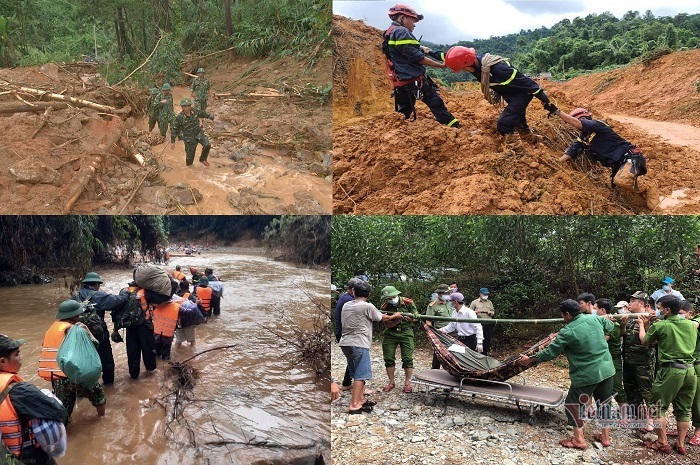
pixel 253 393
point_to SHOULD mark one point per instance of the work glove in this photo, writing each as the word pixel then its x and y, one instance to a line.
pixel 480 348
pixel 551 108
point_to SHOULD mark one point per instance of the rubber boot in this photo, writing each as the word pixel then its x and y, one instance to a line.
pixel 514 145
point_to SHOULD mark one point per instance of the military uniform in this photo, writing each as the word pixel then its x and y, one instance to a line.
pixel 675 382
pixel 615 349
pixel 165 112
pixel 484 309
pixel 200 90
pixel 188 129
pixel 637 367
pixel 400 335
pixel 152 110
pixel 696 400
pixel 438 308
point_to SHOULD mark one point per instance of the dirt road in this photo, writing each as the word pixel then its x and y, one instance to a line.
pixel 684 135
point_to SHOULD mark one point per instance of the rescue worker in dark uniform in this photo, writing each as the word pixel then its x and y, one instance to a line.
pixel 606 147
pixel 498 77
pixel 406 63
pixel 102 302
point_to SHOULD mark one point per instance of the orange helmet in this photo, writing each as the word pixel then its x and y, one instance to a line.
pixel 458 57
pixel 579 113
pixel 401 9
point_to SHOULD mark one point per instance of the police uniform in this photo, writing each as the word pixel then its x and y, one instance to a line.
pixel 188 129
pixel 400 335
pixel 484 309
pixel 438 308
pixel 405 55
pixel 695 411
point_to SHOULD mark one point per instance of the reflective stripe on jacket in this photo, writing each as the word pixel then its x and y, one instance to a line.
pixel 10 423
pixel 165 318
pixel 48 367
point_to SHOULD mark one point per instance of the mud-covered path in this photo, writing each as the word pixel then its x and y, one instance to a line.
pixel 683 135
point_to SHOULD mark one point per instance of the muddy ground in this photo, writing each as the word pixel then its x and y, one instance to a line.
pixel 386 165
pixel 270 154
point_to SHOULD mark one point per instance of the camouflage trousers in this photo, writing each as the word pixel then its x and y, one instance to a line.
pixel 201 104
pixel 393 339
pixel 152 123
pixel 191 148
pixel 67 392
pixel 638 380
pixel 163 123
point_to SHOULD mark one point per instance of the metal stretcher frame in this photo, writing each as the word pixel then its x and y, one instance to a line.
pixel 515 393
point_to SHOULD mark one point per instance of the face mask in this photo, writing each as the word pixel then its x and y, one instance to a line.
pixel 484 297
pixel 445 297
pixel 395 300
pixel 658 313
pixel 666 287
pixel 594 311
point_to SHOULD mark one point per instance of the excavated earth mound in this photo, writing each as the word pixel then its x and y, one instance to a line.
pixel 386 165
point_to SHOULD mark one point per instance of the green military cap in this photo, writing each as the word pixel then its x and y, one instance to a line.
pixel 154 90
pixel 640 295
pixel 92 278
pixel 200 70
pixel 166 86
pixel 69 308
pixel 443 288
pixel 203 281
pixel 389 291
pixel 185 102
pixel 7 343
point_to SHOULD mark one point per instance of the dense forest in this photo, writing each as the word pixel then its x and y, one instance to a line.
pixel 596 42
pixel 120 34
pixel 530 263
pixel 76 243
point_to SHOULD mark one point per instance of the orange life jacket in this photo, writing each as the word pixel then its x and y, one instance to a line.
pixel 165 318
pixel 48 367
pixel 179 275
pixel 205 293
pixel 10 423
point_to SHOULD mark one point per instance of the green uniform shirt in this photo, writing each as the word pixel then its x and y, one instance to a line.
pixel 187 127
pixel 165 110
pixel 200 88
pixel 482 308
pixel 404 307
pixel 615 341
pixel 438 308
pixel 677 339
pixel 635 352
pixel 696 354
pixel 151 106
pixel 583 342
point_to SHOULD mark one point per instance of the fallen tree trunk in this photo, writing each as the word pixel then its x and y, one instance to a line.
pixel 123 149
pixel 87 173
pixel 34 107
pixel 64 98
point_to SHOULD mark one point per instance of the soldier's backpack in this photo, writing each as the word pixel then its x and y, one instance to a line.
pixel 130 315
pixel 91 319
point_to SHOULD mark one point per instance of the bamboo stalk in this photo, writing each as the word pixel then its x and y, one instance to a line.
pixel 141 66
pixel 496 321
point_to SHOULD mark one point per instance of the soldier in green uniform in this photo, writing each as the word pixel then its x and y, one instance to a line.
pixel 152 108
pixel 675 382
pixel 398 333
pixel 687 308
pixel 186 127
pixel 439 307
pixel 166 114
pixel 638 361
pixel 483 308
pixel 591 370
pixel 200 90
pixel 615 348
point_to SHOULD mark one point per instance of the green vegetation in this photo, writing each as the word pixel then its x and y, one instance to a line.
pixel 120 34
pixel 596 42
pixel 530 263
pixel 302 239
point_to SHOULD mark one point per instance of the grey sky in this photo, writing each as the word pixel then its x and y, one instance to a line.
pixel 448 21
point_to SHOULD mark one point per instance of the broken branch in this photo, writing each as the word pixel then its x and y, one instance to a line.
pixel 141 66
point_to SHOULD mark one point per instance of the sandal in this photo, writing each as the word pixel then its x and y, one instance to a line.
pixel 656 445
pixel 369 403
pixel 680 449
pixel 695 440
pixel 408 389
pixel 570 444
pixel 599 437
pixel 389 387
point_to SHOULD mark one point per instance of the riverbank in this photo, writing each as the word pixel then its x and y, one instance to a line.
pixel 404 429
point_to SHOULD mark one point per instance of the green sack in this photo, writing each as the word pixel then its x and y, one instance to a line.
pixel 78 358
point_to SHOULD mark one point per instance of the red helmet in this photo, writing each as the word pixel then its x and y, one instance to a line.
pixel 401 9
pixel 458 57
pixel 579 113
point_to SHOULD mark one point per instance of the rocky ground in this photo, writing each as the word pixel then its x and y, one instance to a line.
pixel 404 429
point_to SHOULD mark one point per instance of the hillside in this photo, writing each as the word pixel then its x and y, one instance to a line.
pixel 385 165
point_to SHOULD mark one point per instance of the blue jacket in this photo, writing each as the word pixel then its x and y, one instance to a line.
pixel 606 146
pixel 404 52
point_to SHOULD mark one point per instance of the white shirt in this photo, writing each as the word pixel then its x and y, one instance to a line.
pixel 660 293
pixel 465 329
